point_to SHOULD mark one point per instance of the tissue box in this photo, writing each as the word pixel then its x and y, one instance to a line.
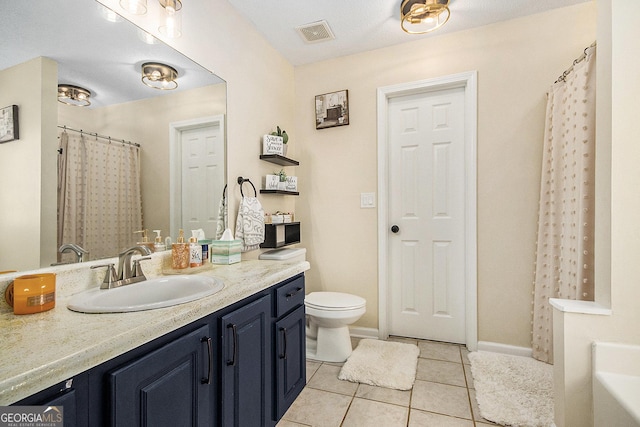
pixel 272 144
pixel 225 251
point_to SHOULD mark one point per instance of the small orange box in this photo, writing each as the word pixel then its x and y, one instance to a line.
pixel 33 293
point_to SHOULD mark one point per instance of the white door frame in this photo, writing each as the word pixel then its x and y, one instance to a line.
pixel 468 81
pixel 175 164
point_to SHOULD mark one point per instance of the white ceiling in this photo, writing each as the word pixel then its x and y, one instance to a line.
pixel 362 25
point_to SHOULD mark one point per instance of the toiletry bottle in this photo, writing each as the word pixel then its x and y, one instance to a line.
pixel 206 243
pixel 180 253
pixel 159 244
pixel 145 240
pixel 195 250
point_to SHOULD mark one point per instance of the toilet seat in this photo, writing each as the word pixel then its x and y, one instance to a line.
pixel 334 301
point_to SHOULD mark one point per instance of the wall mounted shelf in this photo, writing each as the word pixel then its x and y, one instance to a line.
pixel 279 160
pixel 290 193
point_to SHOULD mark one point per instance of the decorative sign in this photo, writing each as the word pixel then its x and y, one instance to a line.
pixel 291 183
pixel 9 123
pixel 272 144
pixel 271 182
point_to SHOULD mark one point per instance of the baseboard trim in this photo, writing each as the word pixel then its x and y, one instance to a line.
pixel 359 332
pixel 504 348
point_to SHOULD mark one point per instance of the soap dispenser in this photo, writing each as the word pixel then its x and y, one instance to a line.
pixel 145 240
pixel 195 250
pixel 180 253
pixel 159 245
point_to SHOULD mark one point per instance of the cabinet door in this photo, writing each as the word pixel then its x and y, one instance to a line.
pixel 290 356
pixel 246 365
pixel 170 386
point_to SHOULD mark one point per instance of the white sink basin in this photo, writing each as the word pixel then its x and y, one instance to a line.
pixel 147 295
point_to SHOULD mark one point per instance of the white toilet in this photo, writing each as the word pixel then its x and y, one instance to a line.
pixel 329 315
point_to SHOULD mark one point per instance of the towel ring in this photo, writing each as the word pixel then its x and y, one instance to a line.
pixel 224 192
pixel 242 180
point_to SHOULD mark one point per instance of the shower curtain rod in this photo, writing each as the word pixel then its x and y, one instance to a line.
pixel 99 136
pixel 575 62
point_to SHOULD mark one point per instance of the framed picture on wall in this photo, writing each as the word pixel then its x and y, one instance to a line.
pixel 9 123
pixel 332 109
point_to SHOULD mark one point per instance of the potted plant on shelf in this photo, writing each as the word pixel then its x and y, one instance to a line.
pixel 282 184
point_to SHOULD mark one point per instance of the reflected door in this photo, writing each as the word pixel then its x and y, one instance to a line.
pixel 202 166
pixel 426 210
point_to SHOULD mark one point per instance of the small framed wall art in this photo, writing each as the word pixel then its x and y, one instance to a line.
pixel 9 123
pixel 332 109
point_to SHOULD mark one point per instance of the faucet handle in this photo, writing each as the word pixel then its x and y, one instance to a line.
pixel 137 269
pixel 110 277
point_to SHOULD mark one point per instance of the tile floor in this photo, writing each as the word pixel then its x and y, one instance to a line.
pixel 442 396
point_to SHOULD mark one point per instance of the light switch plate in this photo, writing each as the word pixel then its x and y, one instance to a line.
pixel 367 200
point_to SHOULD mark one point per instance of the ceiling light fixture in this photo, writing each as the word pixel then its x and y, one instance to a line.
pixel 423 16
pixel 135 7
pixel 159 76
pixel 172 25
pixel 74 95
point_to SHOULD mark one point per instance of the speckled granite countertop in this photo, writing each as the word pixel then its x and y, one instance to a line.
pixel 40 350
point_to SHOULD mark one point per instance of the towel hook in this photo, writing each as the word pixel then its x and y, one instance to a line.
pixel 242 180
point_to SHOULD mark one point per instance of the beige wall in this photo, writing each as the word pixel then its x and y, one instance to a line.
pixel 28 167
pixel 516 62
pixel 618 132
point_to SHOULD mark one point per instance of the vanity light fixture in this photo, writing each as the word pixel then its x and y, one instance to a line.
pixel 172 25
pixel 159 76
pixel 74 95
pixel 423 16
pixel 135 7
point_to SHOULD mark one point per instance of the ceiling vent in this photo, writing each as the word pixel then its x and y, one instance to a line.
pixel 315 32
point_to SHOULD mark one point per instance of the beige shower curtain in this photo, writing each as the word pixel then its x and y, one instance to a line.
pixel 564 254
pixel 99 200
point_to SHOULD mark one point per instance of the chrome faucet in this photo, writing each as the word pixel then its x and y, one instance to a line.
pixel 80 252
pixel 125 269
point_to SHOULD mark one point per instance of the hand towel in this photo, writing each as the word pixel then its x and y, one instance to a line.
pixel 223 216
pixel 250 224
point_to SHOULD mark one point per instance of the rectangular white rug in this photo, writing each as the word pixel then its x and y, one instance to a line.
pixel 382 363
pixel 513 390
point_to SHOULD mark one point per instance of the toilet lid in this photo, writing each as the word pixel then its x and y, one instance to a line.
pixel 334 301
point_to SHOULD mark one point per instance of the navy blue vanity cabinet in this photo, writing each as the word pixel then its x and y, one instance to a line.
pixel 245 395
pixel 170 386
pixel 289 344
pixel 71 394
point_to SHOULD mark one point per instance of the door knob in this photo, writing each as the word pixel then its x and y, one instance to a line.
pixel 395 228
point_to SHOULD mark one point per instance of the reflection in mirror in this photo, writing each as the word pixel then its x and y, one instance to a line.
pixel 180 132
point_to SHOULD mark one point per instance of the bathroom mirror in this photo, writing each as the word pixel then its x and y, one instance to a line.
pixel 88 50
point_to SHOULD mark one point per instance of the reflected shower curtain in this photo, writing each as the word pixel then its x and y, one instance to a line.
pixel 564 253
pixel 99 200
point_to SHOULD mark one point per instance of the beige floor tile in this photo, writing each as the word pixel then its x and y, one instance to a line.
pixel 326 378
pixel 312 367
pixel 318 408
pixel 428 419
pixel 367 413
pixel 469 376
pixel 439 351
pixel 465 355
pixel 441 398
pixel 285 423
pixel 381 394
pixel 403 340
pixel 439 371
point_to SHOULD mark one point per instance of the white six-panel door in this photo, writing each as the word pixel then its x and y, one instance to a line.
pixel 426 201
pixel 202 165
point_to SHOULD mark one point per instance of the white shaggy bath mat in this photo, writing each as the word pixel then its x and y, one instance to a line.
pixel 382 363
pixel 513 390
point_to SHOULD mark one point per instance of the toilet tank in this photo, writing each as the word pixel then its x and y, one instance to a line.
pixel 285 254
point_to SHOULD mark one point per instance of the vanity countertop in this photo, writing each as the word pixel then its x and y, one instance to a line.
pixel 40 350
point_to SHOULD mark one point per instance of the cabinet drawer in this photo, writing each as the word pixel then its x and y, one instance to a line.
pixel 289 295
